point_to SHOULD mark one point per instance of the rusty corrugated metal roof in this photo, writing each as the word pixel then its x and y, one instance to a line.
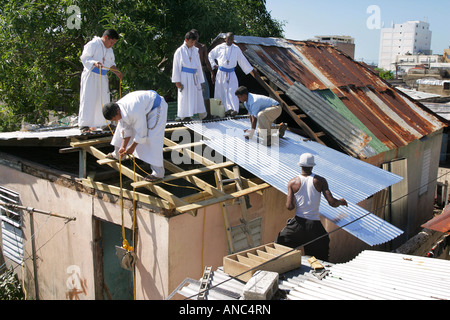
pixel 440 223
pixel 383 113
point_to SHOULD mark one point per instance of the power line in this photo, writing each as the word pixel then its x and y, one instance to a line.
pixel 311 241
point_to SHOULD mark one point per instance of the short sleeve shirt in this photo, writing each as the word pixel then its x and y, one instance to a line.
pixel 257 103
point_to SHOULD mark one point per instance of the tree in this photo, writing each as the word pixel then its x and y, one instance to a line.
pixel 41 46
pixel 385 74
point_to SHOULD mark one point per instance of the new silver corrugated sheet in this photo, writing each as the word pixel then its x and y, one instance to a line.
pixel 374 275
pixel 348 178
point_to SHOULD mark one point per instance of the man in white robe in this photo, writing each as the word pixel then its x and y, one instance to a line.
pixel 94 92
pixel 225 57
pixel 142 117
pixel 187 74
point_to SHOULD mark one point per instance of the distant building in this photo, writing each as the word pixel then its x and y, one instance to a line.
pixel 406 62
pixel 345 44
pixel 413 37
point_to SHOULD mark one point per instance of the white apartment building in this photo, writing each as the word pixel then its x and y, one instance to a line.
pixel 411 37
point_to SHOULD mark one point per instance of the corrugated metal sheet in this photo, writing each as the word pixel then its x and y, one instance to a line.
pixel 352 139
pixel 389 115
pixel 41 134
pixel 334 101
pixel 222 287
pixel 347 177
pixel 374 275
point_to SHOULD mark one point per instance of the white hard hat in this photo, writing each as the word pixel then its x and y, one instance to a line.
pixel 306 160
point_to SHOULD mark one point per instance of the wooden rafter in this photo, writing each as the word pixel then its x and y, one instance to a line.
pixel 291 111
pixel 208 194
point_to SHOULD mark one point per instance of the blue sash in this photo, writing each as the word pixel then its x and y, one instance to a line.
pixel 97 71
pixel 225 69
pixel 157 101
pixel 189 70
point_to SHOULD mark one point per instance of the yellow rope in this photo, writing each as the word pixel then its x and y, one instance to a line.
pixel 125 243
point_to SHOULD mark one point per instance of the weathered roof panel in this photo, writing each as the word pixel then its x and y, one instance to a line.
pixel 388 115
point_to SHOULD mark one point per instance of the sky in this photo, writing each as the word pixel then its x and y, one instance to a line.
pixel 360 19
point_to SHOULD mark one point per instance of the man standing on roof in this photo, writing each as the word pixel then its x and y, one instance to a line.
pixel 187 75
pixel 304 194
pixel 142 117
pixel 206 66
pixel 94 90
pixel 225 57
pixel 263 112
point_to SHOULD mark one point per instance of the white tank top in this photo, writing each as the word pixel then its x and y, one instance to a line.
pixel 307 199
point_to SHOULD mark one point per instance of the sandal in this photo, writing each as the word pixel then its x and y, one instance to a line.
pixel 85 129
pixel 110 156
pixel 282 130
pixel 152 178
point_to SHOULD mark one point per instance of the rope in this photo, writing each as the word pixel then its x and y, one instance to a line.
pixel 125 244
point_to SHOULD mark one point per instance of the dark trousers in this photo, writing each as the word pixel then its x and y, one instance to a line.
pixel 299 231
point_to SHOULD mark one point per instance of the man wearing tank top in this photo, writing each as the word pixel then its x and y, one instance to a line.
pixel 304 193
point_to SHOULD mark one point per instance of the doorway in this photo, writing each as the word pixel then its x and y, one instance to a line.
pixel 112 282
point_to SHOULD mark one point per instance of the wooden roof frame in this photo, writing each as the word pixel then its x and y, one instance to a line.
pixel 162 198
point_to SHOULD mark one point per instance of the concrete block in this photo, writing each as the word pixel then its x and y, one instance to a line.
pixel 261 286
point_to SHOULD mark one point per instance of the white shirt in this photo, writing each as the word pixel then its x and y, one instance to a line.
pixel 307 199
pixel 95 51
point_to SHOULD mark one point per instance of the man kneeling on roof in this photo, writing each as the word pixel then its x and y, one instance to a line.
pixel 141 117
pixel 263 112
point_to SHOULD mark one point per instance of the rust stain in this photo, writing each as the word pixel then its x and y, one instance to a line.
pixel 363 111
pixel 350 80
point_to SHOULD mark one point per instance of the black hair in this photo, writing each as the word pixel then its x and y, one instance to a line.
pixel 110 110
pixel 111 33
pixel 191 35
pixel 195 31
pixel 241 91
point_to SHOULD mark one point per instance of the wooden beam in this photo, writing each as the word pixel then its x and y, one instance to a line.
pixel 174 200
pixel 293 115
pixel 208 202
pixel 144 198
pixel 90 142
pixel 198 158
pixel 196 181
pixel 202 204
pixel 184 174
pixel 181 146
pixel 247 191
pixel 175 129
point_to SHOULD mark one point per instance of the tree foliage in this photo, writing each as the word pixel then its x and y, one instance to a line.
pixel 40 54
pixel 10 287
pixel 385 74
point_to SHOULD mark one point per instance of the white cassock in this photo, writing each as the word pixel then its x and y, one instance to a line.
pixel 187 69
pixel 94 92
pixel 144 117
pixel 228 57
